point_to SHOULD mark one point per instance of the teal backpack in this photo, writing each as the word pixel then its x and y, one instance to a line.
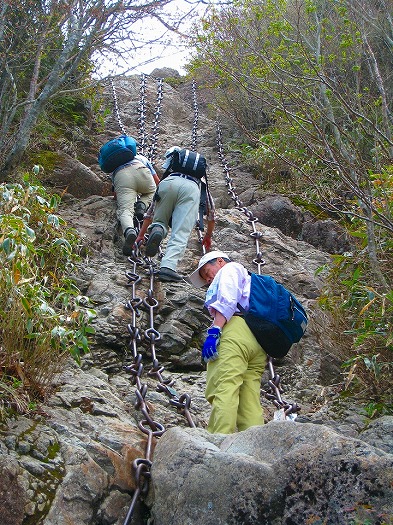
pixel 116 152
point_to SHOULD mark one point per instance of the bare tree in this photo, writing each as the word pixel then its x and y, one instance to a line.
pixel 46 44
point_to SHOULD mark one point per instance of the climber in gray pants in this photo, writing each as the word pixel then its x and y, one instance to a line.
pixel 175 205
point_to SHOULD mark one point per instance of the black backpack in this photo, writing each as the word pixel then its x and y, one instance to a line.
pixel 188 162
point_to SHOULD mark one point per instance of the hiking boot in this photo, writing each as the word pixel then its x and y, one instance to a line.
pixel 129 240
pixel 153 242
pixel 168 275
pixel 140 210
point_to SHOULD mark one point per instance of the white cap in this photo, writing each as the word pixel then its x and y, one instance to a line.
pixel 168 154
pixel 194 277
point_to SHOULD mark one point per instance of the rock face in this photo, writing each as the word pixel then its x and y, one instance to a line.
pixel 73 177
pixel 72 464
pixel 279 212
pixel 282 472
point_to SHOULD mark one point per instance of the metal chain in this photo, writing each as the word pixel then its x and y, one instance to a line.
pixel 142 114
pixel 274 393
pixel 143 139
pixel 194 134
pixel 116 106
pixel 196 118
pixel 256 235
pixel 157 115
pixel 152 429
pixel 288 410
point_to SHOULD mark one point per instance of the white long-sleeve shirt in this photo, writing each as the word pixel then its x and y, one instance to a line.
pixel 230 286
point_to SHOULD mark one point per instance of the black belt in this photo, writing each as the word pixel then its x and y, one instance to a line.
pixel 184 177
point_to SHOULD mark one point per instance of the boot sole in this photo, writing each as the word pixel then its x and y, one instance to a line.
pixel 153 243
pixel 169 278
pixel 129 243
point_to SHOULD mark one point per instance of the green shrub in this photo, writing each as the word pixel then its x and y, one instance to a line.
pixel 363 317
pixel 43 317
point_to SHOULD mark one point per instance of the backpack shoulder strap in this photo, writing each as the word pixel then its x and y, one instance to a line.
pixel 239 306
pixel 166 173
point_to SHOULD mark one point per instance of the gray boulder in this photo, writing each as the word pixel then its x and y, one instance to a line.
pixel 282 472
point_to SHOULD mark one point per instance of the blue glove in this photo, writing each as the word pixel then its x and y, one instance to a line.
pixel 210 346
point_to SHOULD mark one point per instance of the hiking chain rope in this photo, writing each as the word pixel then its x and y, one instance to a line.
pixel 194 140
pixel 116 106
pixel 157 115
pixel 287 410
pixel 152 149
pixel 196 118
pixel 142 114
pixel 152 429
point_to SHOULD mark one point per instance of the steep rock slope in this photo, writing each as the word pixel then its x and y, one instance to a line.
pixel 73 465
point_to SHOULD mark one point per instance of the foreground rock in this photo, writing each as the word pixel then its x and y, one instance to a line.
pixel 282 472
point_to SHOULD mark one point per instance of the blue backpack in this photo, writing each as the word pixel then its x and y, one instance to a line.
pixel 275 316
pixel 116 152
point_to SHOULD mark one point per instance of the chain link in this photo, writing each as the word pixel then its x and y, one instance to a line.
pixel 143 137
pixel 194 142
pixel 152 149
pixel 274 392
pixel 151 336
pixel 256 235
pixel 142 113
pixel 116 106
pixel 155 127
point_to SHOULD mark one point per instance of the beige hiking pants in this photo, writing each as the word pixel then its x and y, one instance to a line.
pixel 130 182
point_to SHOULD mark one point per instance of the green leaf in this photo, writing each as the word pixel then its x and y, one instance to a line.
pixel 6 245
pixel 54 220
pixel 30 233
pixel 26 305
